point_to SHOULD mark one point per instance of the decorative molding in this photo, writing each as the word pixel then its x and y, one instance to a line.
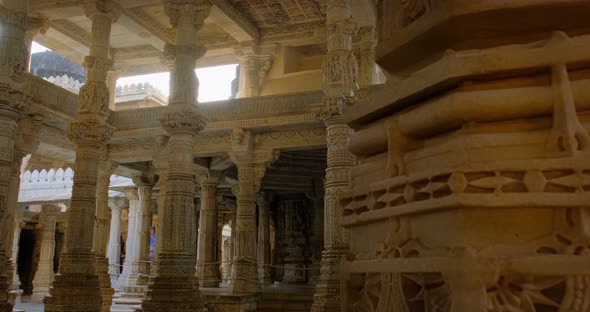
pixel 71 30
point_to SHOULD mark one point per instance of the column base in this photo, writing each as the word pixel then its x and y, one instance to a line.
pixel 327 294
pixel 175 287
pixel 75 293
pixel 5 305
pixel 245 278
pixel 104 281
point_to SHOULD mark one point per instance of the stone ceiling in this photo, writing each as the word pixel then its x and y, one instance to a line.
pixel 269 13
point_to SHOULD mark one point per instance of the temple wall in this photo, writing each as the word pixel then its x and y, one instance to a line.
pixel 471 189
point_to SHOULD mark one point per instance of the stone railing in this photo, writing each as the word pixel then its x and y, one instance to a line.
pixel 51 96
pixel 224 110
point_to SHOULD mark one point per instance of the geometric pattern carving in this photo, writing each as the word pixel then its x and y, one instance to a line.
pixel 402 190
pixel 275 12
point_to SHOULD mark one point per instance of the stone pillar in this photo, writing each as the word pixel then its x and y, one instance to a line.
pixel 340 76
pixel 45 275
pixel 27 141
pixel 263 239
pixel 161 163
pixel 145 185
pixel 175 286
pixel 114 248
pixel 232 238
pixel 127 282
pixel 208 266
pixel 251 168
pixel 14 53
pixel 291 216
pixel 35 25
pixel 317 232
pixel 90 133
pixel 101 230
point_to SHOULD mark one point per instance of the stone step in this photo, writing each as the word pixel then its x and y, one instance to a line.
pixel 277 302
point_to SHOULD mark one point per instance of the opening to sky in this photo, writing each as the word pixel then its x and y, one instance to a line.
pixel 214 82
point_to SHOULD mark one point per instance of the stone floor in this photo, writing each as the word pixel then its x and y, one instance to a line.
pixel 28 305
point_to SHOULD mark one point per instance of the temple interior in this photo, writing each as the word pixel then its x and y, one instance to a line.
pixel 294 155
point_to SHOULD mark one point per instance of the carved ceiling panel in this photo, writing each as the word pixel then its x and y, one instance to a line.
pixel 268 13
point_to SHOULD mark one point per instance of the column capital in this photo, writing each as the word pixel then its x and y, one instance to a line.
pixel 27 133
pixel 105 9
pixel 209 177
pixel 195 11
pixel 131 193
pixel 36 25
pixel 144 180
pixel 107 166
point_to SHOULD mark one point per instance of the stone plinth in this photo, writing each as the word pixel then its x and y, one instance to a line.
pixel 231 302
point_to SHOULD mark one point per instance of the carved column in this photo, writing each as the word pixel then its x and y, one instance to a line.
pixel 208 268
pixel 291 219
pixel 251 168
pixel 232 225
pixel 263 239
pixel 317 232
pixel 127 282
pixel 340 74
pixel 35 25
pixel 175 286
pixel 114 248
pixel 44 275
pixel 144 189
pixel 27 141
pixel 161 163
pixel 13 53
pixel 101 230
pixel 90 133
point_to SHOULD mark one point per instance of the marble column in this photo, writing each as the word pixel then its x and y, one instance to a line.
pixel 45 275
pixel 27 141
pixel 175 285
pixel 317 234
pixel 160 161
pixel 291 215
pixel 114 248
pixel 101 230
pixel 263 202
pixel 251 169
pixel 145 184
pixel 232 238
pixel 14 53
pixel 127 282
pixel 208 268
pixel 340 75
pixel 77 288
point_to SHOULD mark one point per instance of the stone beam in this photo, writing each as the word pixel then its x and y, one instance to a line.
pixel 149 31
pixel 141 18
pixel 233 21
pixel 71 30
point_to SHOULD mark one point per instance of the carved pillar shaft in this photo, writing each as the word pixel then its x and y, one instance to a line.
pixel 208 268
pixel 175 286
pixel 340 73
pixel 317 243
pixel 263 241
pixel 128 280
pixel 232 241
pixel 44 275
pixel 13 53
pixel 101 230
pixel 90 133
pixel 245 273
pixel 114 248
pixel 145 198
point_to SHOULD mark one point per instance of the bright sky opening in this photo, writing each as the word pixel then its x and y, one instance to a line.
pixel 214 82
